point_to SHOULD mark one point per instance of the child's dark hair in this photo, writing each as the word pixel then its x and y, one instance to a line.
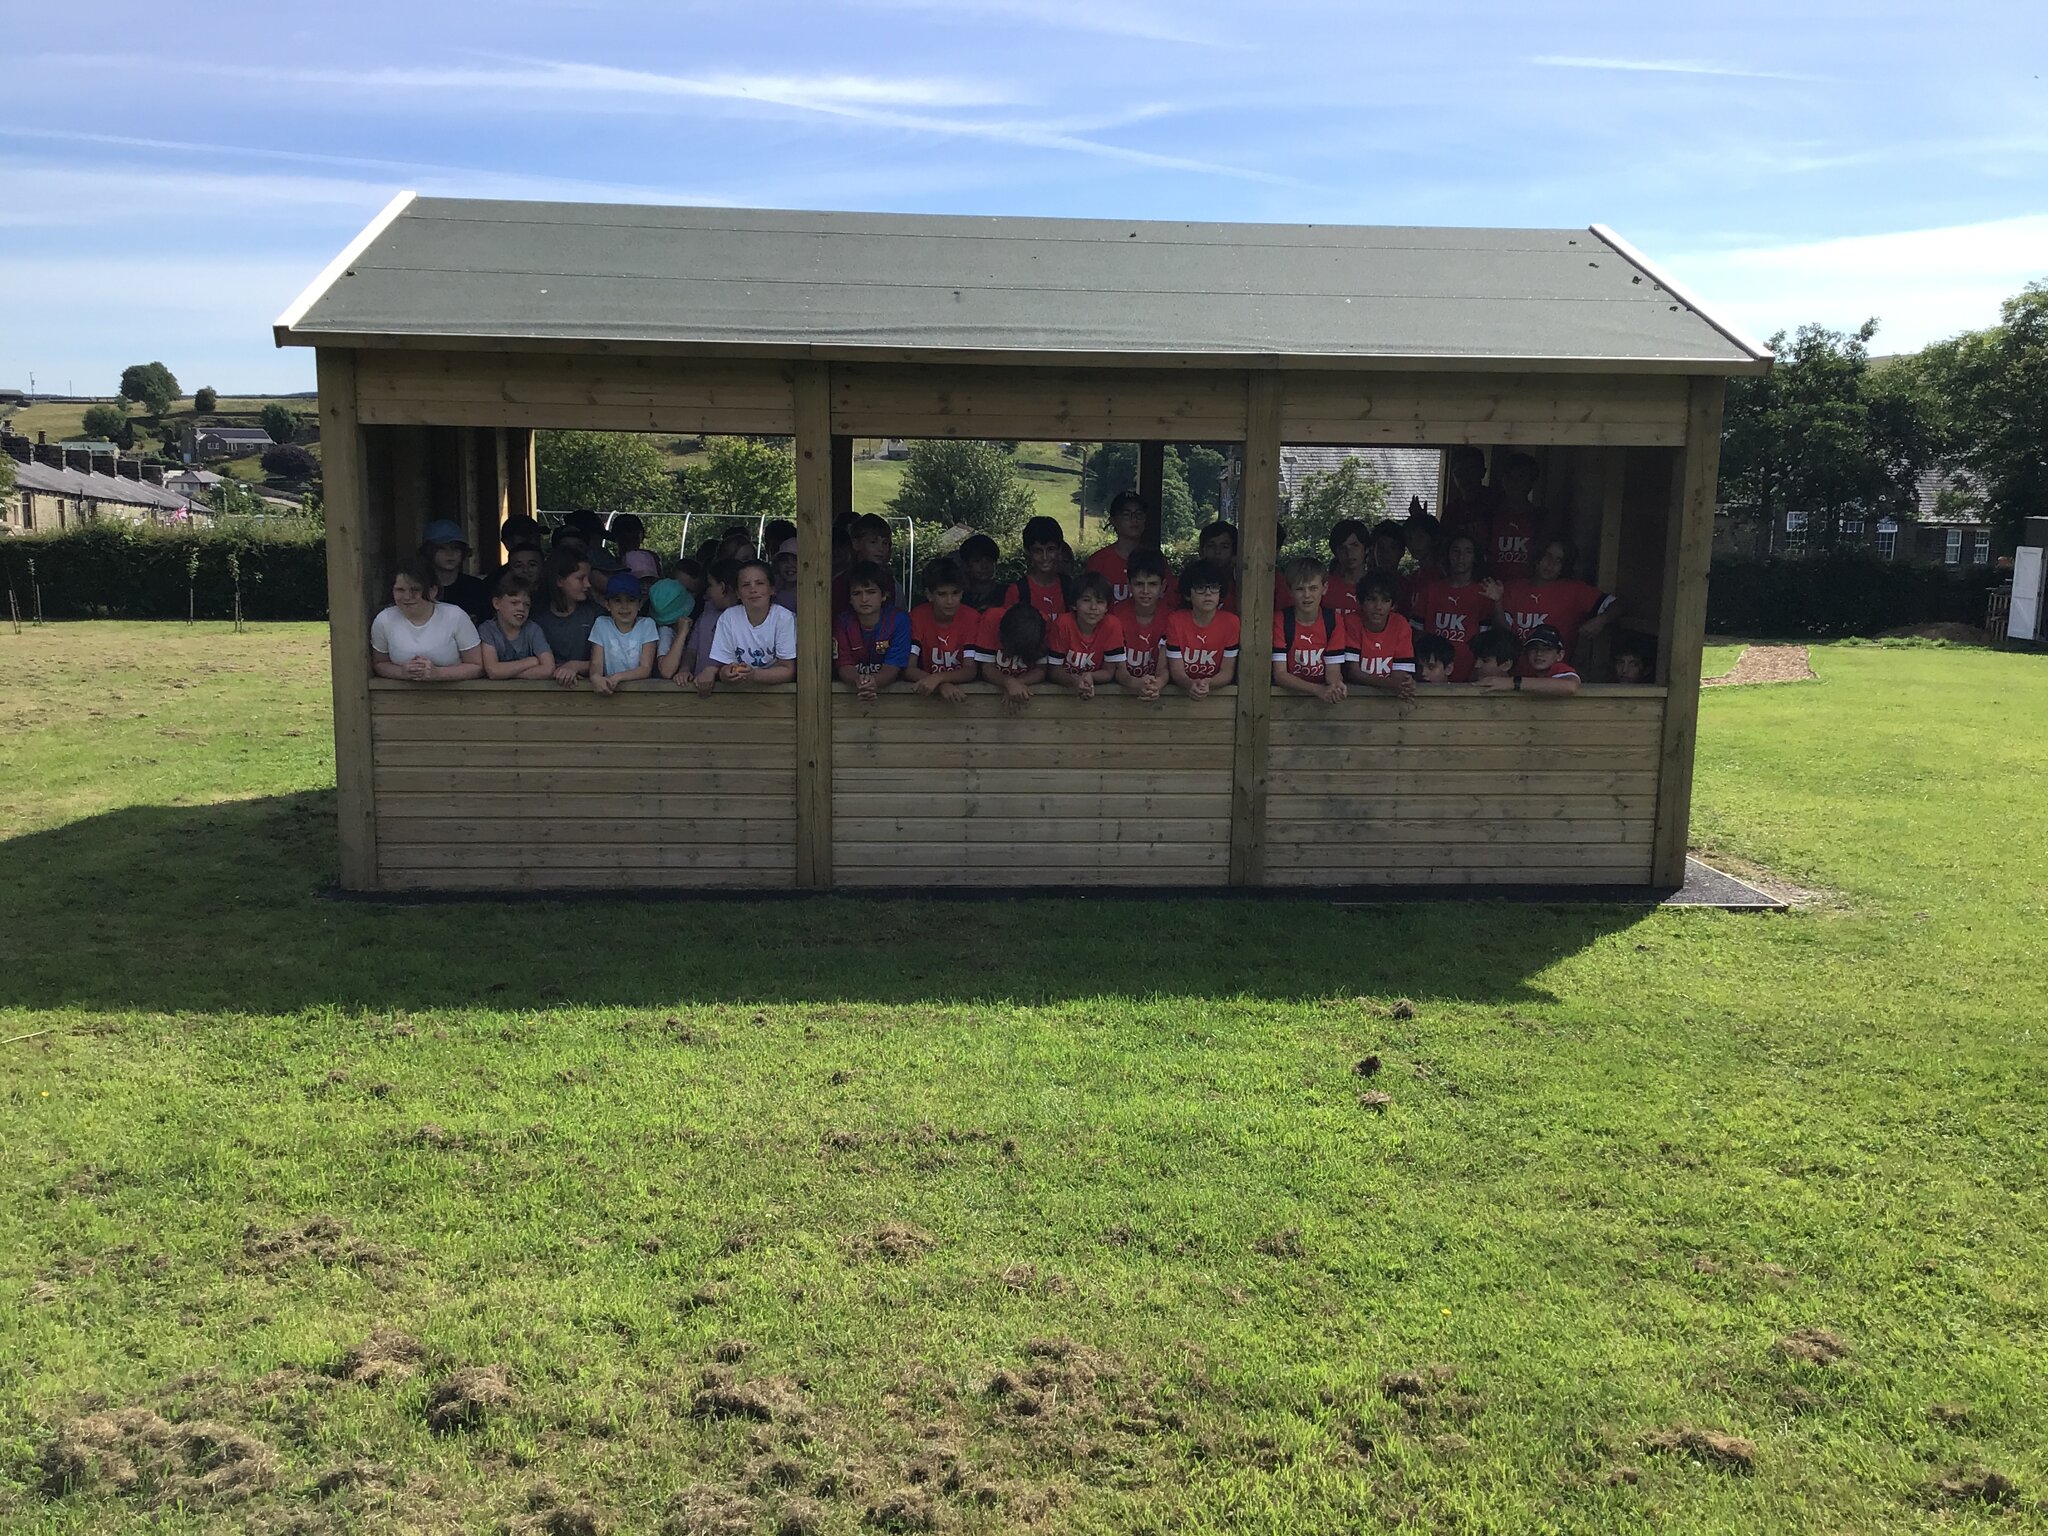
pixel 1380 583
pixel 842 524
pixel 870 523
pixel 1391 528
pixel 776 532
pixel 1215 528
pixel 707 553
pixel 1566 548
pixel 1042 530
pixel 726 573
pixel 694 569
pixel 562 561
pixel 628 527
pixel 520 528
pixel 1145 562
pixel 1628 642
pixel 1093 584
pixel 510 585
pixel 567 534
pixel 1348 528
pixel 980 547
pixel 1203 573
pixel 942 572
pixel 867 573
pixel 1427 524
pixel 741 567
pixel 1021 634
pixel 1524 463
pixel 1497 645
pixel 1124 499
pixel 417 571
pixel 1435 648
pixel 1466 453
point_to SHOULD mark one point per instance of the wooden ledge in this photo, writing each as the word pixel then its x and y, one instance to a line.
pixel 1109 696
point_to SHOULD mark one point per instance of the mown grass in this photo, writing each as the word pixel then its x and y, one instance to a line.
pixel 881 1154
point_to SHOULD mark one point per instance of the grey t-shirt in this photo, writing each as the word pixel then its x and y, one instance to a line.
pixel 568 634
pixel 524 646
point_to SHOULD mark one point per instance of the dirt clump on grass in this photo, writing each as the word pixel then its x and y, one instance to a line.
pixel 1379 1103
pixel 800 1517
pixel 1979 1485
pixel 467 1398
pixel 907 1509
pixel 705 1509
pixel 322 1239
pixel 721 1394
pixel 897 1241
pixel 1730 1453
pixel 153 1462
pixel 1949 1415
pixel 386 1356
pixel 1816 1346
pixel 1284 1244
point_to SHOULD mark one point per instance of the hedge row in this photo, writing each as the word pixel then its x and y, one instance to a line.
pixel 1831 597
pixel 106 569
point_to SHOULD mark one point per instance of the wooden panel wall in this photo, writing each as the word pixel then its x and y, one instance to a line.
pixel 600 393
pixel 1521 409
pixel 1465 790
pixel 1108 404
pixel 1109 791
pixel 514 786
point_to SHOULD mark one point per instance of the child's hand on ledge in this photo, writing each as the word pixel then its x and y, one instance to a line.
pixel 952 693
pixel 565 674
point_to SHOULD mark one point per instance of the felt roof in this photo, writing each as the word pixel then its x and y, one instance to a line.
pixel 727 281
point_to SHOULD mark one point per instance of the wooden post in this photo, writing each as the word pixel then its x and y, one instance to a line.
pixel 501 483
pixel 842 477
pixel 1688 549
pixel 351 588
pixel 1257 531
pixel 814 456
pixel 1152 487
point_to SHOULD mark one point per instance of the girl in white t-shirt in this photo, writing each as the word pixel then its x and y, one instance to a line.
pixel 756 638
pixel 420 640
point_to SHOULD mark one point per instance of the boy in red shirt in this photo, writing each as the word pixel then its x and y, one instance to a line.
pixel 1454 602
pixel 1085 647
pixel 1543 668
pixel 1435 661
pixel 1217 545
pixel 978 557
pixel 1494 655
pixel 1043 587
pixel 1311 642
pixel 1382 643
pixel 1143 622
pixel 1470 504
pixel 944 633
pixel 1550 596
pixel 1201 639
pixel 1127 517
pixel 1517 522
pixel 1011 652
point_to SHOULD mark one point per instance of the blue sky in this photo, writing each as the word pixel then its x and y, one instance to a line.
pixel 170 183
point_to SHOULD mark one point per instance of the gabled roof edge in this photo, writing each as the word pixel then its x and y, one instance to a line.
pixel 317 289
pixel 1684 296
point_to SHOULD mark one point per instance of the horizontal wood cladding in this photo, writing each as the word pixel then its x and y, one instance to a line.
pixel 511 786
pixel 1437 408
pixel 1110 404
pixel 1108 791
pixel 597 393
pixel 1509 790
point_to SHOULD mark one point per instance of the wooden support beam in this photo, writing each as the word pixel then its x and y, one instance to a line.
pixel 1688 549
pixel 814 459
pixel 842 476
pixel 1152 486
pixel 1257 529
pixel 501 478
pixel 353 585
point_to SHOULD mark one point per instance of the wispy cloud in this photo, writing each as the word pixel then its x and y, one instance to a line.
pixel 1104 18
pixel 1664 67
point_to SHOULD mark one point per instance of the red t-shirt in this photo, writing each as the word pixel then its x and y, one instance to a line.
pixel 1067 647
pixel 1473 514
pixel 1201 651
pixel 1116 570
pixel 1050 600
pixel 1316 647
pixel 1511 551
pixel 1456 613
pixel 989 645
pixel 1563 604
pixel 937 647
pixel 1383 652
pixel 1408 586
pixel 1144 643
pixel 1339 593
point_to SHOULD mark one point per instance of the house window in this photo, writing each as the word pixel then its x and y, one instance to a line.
pixel 1887 539
pixel 1953 553
pixel 1981 551
pixel 1852 527
pixel 1795 522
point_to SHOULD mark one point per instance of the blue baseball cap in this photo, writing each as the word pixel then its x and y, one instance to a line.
pixel 444 530
pixel 623 584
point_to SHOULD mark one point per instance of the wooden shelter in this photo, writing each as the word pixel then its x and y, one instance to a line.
pixel 451 329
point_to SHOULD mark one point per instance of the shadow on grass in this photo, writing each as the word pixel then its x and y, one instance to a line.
pixel 225 907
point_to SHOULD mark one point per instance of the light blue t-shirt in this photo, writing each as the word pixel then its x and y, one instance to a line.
pixel 622 647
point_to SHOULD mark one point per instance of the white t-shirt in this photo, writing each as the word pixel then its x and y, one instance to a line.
pixel 621 647
pixel 442 639
pixel 763 645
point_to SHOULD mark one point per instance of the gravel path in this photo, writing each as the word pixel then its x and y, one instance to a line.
pixel 1765 664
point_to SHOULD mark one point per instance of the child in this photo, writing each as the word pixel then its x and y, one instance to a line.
pixel 737 544
pixel 1011 651
pixel 1112 561
pixel 1470 504
pixel 1455 601
pixel 944 634
pixel 1518 521
pixel 1043 587
pixel 1217 545
pixel 512 646
pixel 671 607
pixel 755 641
pixel 720 593
pixel 420 639
pixel 785 573
pixel 527 563
pixel 623 640
pixel 1201 639
pixel 1635 658
pixel 1494 654
pixel 1087 645
pixel 1435 660
pixel 1311 641
pixel 567 615
pixel 776 532
pixel 689 574
pixel 1143 622
pixel 869 534
pixel 444 548
pixel 521 528
pixel 1389 545
pixel 978 556
pixel 1382 641
pixel 871 640
pixel 629 537
pixel 1550 596
pixel 1543 668
pixel 1350 559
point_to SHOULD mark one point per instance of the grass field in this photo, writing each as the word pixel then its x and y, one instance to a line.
pixel 61 421
pixel 848 1216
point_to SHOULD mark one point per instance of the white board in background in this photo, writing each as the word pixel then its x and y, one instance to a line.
pixel 2024 621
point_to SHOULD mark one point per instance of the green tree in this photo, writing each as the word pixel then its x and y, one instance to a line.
pixel 1823 434
pixel 206 400
pixel 603 472
pixel 1988 391
pixel 745 477
pixel 150 385
pixel 110 422
pixel 280 421
pixel 952 481
pixel 6 475
pixel 290 461
pixel 1110 469
pixel 1326 497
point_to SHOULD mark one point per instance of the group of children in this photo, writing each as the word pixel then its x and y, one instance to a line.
pixel 1482 598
